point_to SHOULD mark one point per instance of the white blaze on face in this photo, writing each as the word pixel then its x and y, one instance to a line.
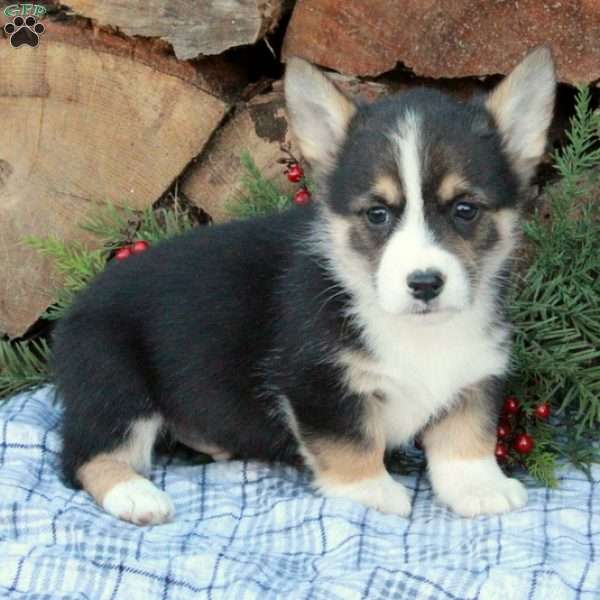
pixel 412 247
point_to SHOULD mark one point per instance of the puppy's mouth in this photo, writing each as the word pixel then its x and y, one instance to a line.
pixel 423 308
pixel 430 310
pixel 429 315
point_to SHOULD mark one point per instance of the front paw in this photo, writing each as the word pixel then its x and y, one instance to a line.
pixel 488 498
pixel 382 493
pixel 476 487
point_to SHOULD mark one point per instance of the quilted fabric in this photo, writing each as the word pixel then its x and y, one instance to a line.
pixel 248 530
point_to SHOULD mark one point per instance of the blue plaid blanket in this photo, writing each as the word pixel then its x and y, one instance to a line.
pixel 247 530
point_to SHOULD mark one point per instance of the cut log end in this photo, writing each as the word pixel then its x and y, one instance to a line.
pixel 83 125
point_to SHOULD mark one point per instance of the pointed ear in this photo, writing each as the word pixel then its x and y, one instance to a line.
pixel 522 106
pixel 318 112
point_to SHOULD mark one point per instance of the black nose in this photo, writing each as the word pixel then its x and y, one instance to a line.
pixel 425 285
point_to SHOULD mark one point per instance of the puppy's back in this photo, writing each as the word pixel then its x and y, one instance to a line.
pixel 179 330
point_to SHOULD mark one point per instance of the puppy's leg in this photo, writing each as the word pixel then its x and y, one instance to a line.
pixel 110 420
pixel 356 471
pixel 113 478
pixel 344 445
pixel 462 467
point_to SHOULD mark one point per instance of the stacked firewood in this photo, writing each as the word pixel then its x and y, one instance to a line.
pixel 118 101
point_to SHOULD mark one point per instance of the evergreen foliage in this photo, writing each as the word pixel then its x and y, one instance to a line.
pixel 259 196
pixel 116 227
pixel 74 263
pixel 555 307
pixel 23 365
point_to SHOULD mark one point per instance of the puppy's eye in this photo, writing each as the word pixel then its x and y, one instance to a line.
pixel 465 210
pixel 378 216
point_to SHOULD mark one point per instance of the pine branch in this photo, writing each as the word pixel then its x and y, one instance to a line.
pixel 555 307
pixel 23 365
pixel 542 466
pixel 74 263
pixel 116 227
pixel 72 260
pixel 110 225
pixel 259 196
pixel 582 152
pixel 160 224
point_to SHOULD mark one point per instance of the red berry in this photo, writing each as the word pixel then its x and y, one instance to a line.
pixel 295 173
pixel 503 430
pixel 139 247
pixel 542 411
pixel 123 253
pixel 302 196
pixel 524 443
pixel 511 405
pixel 501 451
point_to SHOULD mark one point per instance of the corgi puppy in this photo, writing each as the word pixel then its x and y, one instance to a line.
pixel 329 333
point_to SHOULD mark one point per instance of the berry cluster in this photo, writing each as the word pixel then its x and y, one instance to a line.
pixel 510 432
pixel 295 174
pixel 135 248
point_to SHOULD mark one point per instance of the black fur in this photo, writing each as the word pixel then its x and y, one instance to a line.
pixel 190 330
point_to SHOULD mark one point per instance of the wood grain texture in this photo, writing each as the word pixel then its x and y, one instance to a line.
pixel 193 27
pixel 83 125
pixel 447 38
pixel 258 127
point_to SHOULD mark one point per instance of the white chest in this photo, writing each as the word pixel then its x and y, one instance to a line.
pixel 420 366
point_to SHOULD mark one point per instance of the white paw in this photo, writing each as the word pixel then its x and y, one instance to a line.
pixel 382 493
pixel 490 498
pixel 139 501
pixel 476 487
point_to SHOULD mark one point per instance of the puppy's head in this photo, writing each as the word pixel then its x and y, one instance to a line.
pixel 419 193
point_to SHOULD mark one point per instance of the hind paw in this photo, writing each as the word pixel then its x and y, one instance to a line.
pixel 139 501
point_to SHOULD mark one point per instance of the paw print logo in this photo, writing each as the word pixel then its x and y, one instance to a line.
pixel 24 31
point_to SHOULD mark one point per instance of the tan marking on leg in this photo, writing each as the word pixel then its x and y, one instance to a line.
pixel 102 473
pixel 347 461
pixel 465 432
pixel 337 462
pixel 462 468
pixel 99 475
